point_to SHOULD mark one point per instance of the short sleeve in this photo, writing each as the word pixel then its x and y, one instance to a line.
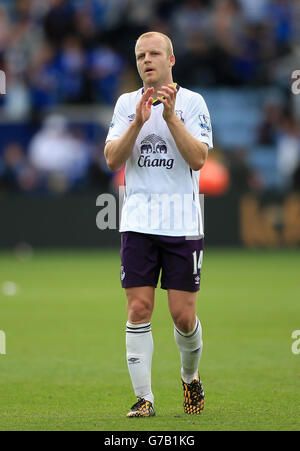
pixel 198 121
pixel 119 122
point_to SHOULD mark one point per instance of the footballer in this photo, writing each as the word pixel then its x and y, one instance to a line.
pixel 162 134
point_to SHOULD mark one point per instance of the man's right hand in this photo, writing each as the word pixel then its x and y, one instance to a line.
pixel 119 150
pixel 143 107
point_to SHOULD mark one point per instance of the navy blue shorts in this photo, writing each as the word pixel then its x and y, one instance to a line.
pixel 145 256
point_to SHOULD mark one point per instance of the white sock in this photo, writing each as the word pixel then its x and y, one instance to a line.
pixel 190 346
pixel 139 350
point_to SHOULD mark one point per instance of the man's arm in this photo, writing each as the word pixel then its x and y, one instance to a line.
pixel 193 151
pixel 118 151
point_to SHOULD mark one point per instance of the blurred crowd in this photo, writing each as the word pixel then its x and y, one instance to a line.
pixel 80 52
pixel 59 158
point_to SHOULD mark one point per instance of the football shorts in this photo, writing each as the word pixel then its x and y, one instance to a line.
pixel 144 257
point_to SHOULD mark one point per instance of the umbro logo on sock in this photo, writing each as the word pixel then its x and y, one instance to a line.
pixel 133 360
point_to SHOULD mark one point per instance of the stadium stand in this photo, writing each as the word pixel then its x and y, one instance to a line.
pixel 75 57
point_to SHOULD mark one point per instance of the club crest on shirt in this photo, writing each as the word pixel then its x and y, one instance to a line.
pixel 179 114
pixel 131 117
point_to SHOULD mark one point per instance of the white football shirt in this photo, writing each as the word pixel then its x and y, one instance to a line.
pixel 161 190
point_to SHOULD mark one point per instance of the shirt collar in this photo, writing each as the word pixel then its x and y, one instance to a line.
pixel 157 101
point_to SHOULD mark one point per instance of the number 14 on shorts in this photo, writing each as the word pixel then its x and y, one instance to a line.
pixel 197 261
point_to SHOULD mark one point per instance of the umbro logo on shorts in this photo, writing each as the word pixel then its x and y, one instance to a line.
pixel 122 273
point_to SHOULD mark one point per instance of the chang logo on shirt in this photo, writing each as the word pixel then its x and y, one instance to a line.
pixel 154 144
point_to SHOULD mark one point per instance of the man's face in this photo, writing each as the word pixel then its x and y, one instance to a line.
pixel 152 59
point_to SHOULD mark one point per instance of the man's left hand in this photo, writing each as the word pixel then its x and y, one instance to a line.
pixel 167 95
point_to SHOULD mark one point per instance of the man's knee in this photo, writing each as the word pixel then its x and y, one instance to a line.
pixel 139 309
pixel 182 307
pixel 184 322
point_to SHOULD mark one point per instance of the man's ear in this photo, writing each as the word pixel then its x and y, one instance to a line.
pixel 172 60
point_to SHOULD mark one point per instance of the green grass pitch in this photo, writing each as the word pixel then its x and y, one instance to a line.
pixel 65 366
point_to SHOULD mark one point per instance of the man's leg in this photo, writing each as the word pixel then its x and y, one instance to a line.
pixel 187 331
pixel 188 336
pixel 140 269
pixel 139 342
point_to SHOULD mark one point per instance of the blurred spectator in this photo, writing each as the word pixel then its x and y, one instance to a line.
pixel 140 14
pixel 4 29
pixel 60 158
pixel 16 173
pixel 288 152
pixel 268 130
pixel 246 54
pixel 211 64
pixel 25 37
pixel 100 176
pixel 227 22
pixel 242 177
pixel 59 21
pixel 256 11
pixel 17 102
pixel 71 66
pixel 86 28
pixel 105 71
pixel 190 18
pixel 280 17
pixel 44 78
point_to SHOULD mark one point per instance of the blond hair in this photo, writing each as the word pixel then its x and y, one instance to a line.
pixel 151 34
